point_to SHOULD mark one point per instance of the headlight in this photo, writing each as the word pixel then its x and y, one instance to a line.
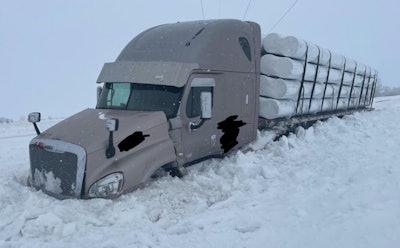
pixel 107 186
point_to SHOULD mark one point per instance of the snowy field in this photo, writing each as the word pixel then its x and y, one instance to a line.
pixel 336 184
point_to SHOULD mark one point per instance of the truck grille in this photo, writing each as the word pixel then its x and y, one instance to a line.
pixel 57 167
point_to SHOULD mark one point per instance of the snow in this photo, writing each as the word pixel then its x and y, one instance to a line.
pixel 49 180
pixel 335 184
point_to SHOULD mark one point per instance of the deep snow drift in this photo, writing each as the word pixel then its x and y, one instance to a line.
pixel 336 184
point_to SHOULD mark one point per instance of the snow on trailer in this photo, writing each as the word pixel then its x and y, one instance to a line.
pixel 301 79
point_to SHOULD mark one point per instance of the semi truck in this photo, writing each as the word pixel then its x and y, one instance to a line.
pixel 176 94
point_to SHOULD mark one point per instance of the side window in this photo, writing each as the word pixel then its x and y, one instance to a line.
pixel 244 43
pixel 193 107
pixel 118 95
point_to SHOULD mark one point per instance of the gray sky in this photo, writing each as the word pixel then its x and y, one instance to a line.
pixel 51 52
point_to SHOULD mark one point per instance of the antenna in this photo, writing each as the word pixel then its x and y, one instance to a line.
pixel 202 9
pixel 245 13
pixel 283 16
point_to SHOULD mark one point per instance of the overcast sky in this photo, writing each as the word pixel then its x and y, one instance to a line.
pixel 51 52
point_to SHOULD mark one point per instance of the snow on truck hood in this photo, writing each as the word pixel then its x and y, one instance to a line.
pixel 88 127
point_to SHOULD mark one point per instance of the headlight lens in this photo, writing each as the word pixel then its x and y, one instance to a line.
pixel 107 186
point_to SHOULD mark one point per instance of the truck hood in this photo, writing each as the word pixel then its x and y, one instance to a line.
pixel 88 127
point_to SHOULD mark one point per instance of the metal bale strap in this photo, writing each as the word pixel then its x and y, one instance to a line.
pixel 302 83
pixel 327 79
pixel 352 84
pixel 315 79
pixel 366 98
pixel 363 83
pixel 373 89
pixel 341 84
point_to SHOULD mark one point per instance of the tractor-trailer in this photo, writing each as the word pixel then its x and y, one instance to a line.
pixel 183 92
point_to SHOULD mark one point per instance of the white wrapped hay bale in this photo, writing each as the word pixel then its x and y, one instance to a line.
pixel 301 78
pixel 345 92
pixel 350 65
pixel 293 47
pixel 282 67
pixel 337 61
pixel 279 88
pixel 289 89
pixel 361 94
pixel 273 108
pixel 287 68
pixel 335 90
pixel 336 77
pixel 365 70
pixel 358 80
pixel 330 104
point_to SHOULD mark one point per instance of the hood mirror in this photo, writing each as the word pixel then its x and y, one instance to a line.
pixel 33 118
pixel 111 125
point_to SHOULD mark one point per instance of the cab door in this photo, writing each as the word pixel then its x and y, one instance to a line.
pixel 199 131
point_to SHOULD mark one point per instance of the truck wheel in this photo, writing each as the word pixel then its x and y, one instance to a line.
pixel 176 170
pixel 160 172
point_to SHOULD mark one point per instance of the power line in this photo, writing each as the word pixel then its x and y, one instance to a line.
pixel 245 13
pixel 283 16
pixel 202 9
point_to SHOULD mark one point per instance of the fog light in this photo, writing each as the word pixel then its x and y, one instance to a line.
pixel 107 186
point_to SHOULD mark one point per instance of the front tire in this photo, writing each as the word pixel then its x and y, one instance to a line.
pixel 176 170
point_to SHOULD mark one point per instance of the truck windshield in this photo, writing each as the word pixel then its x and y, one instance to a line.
pixel 141 97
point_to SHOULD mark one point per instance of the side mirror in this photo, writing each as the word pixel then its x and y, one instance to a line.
pixel 206 105
pixel 33 118
pixel 99 90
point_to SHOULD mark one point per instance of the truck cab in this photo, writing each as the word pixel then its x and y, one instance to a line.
pixel 176 94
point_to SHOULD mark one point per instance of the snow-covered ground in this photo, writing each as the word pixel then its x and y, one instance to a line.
pixel 336 184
